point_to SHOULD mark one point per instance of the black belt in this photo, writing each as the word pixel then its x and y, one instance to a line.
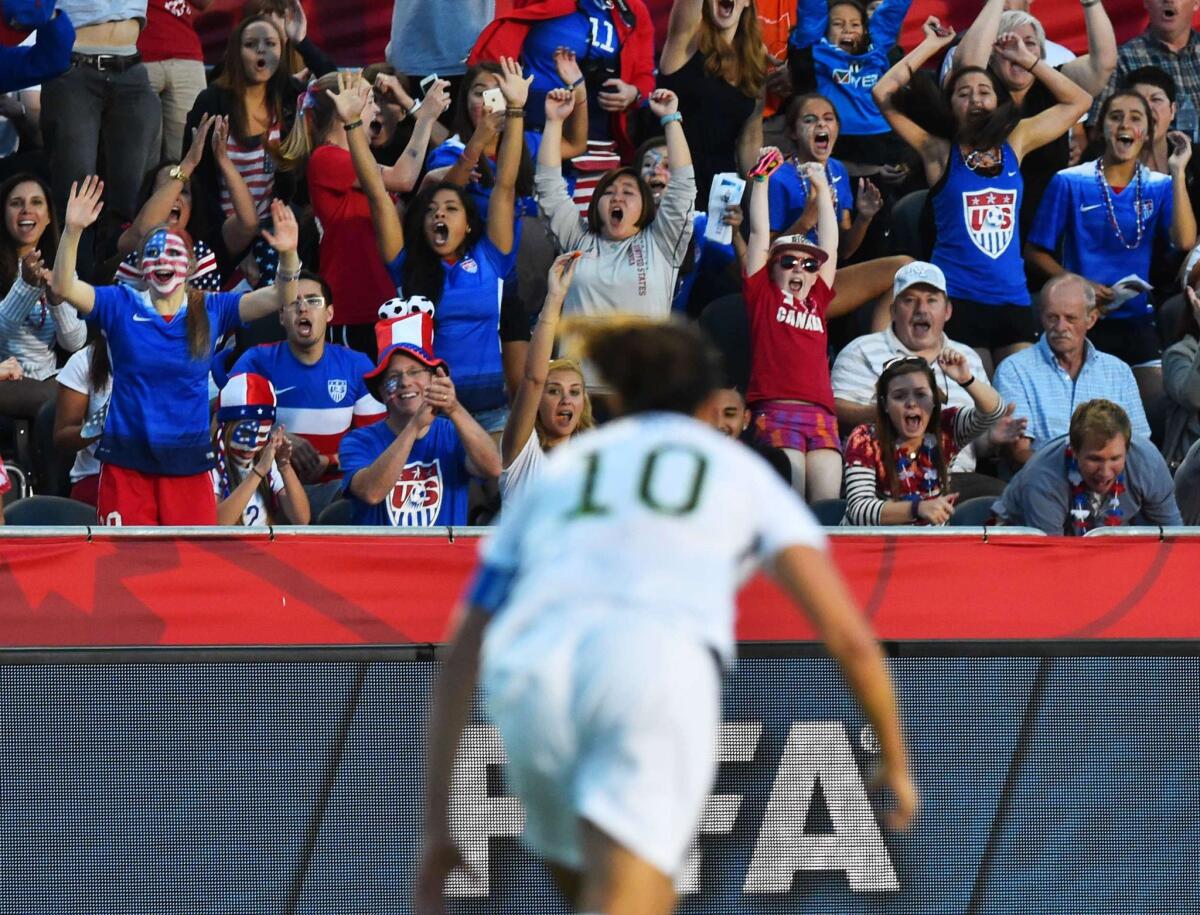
pixel 117 63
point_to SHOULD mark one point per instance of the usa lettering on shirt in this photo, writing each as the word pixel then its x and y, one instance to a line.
pixel 990 215
pixel 416 499
pixel 637 260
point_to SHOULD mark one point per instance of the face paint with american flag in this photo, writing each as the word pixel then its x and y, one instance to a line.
pixel 165 262
pixel 249 437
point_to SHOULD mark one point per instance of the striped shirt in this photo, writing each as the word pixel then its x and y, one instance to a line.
pixel 865 475
pixel 1145 50
pixel 860 364
pixel 257 168
pixel 1047 396
pixel 30 326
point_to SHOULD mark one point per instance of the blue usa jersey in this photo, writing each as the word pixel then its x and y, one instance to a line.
pixel 787 194
pixel 847 79
pixel 158 420
pixel 978 241
pixel 467 322
pixel 432 489
pixel 1073 219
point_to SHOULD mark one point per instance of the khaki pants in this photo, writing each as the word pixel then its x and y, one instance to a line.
pixel 176 83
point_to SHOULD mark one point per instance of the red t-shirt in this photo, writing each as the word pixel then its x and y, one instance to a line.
pixel 789 347
pixel 169 33
pixel 350 261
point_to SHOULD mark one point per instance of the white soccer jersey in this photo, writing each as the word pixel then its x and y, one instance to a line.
pixel 656 515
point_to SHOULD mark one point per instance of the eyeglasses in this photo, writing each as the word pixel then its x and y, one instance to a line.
pixel 808 264
pixel 393 381
pixel 311 302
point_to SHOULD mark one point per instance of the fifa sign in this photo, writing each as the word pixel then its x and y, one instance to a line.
pixel 817 755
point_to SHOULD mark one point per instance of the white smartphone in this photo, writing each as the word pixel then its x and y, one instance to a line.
pixel 427 82
pixel 493 101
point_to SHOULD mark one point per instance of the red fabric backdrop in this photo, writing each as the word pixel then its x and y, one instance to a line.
pixel 317 589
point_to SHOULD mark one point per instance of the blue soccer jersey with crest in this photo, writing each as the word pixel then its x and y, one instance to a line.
pixel 978 242
pixel 158 417
pixel 1074 222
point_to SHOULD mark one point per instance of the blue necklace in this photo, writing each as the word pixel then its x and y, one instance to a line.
pixel 1106 194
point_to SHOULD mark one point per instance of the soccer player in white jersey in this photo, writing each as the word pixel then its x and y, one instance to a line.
pixel 602 617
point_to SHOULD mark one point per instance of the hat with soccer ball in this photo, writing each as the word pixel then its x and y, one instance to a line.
pixel 405 326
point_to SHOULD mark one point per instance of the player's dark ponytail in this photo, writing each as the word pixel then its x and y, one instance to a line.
pixel 654 366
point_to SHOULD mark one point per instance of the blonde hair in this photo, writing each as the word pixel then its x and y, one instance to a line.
pixel 586 421
pixel 311 123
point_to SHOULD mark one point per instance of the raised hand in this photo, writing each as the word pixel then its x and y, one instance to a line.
pixel 1010 47
pixel 733 216
pixel 514 86
pixel 899 781
pixel 1009 429
pixel 295 22
pixel 436 100
pixel 562 271
pixel 955 365
pixel 389 88
pixel 220 140
pixel 286 234
pixel 662 102
pixel 283 447
pixel 84 203
pixel 936 34
pixel 351 96
pixel 266 457
pixel 616 95
pixel 814 173
pixel 559 104
pixel 567 66
pixel 1181 151
pixel 199 138
pixel 440 393
pixel 869 201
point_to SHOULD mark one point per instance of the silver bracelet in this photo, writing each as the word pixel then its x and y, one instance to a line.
pixel 286 276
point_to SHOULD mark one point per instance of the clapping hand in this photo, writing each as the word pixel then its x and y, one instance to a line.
pixel 199 138
pixel 440 393
pixel 283 447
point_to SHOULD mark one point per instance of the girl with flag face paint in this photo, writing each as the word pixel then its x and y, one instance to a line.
pixel 156 448
pixel 254 458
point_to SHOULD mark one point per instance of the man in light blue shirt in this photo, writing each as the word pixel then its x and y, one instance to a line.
pixel 1063 369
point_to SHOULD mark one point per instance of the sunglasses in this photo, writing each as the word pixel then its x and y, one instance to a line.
pixel 808 264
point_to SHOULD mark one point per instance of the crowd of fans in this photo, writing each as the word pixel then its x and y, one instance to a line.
pixel 281 291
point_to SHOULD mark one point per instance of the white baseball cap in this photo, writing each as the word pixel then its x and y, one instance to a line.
pixel 918 272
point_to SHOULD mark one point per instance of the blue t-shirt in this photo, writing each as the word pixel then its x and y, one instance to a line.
pixel 447 154
pixel 432 490
pixel 158 418
pixel 710 258
pixel 1073 217
pixel 847 79
pixel 788 195
pixel 467 322
pixel 978 243
pixel 591 34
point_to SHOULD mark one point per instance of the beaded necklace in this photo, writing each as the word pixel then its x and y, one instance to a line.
pixel 1080 510
pixel 1106 193
pixel 907 474
pixel 985 159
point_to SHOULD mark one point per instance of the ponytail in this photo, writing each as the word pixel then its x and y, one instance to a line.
pixel 315 113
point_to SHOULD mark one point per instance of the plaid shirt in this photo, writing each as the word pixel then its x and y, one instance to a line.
pixel 1147 51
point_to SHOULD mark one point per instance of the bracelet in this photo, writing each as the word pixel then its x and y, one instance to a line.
pixel 966 384
pixel 514 112
pixel 1036 62
pixel 669 118
pixel 258 473
pixel 349 127
pixel 915 501
pixel 288 276
pixel 415 108
pixel 579 82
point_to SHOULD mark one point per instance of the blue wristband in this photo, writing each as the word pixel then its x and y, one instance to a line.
pixel 579 82
pixel 668 118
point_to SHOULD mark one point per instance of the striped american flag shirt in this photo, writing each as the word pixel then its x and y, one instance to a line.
pixel 257 168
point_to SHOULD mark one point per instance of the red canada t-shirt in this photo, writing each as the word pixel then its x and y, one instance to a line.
pixel 350 261
pixel 169 33
pixel 789 345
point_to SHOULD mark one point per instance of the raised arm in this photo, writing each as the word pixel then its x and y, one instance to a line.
pixel 1183 219
pixel 975 49
pixel 932 150
pixel 401 176
pixel 541 346
pixel 750 139
pixel 575 128
pixel 270 299
pixel 1072 102
pixel 559 211
pixel 1092 71
pixel 758 248
pixel 682 27
pixel 483 457
pixel 83 209
pixel 664 105
pixel 827 223
pixel 157 209
pixel 502 205
pixel 389 232
pixel 240 228
pixel 811 581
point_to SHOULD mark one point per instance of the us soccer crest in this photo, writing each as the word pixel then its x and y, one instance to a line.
pixel 416 498
pixel 991 216
pixel 337 389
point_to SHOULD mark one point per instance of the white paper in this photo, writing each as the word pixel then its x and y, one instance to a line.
pixel 727 190
pixel 1127 288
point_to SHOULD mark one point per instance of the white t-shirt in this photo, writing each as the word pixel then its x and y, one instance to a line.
pixel 74 377
pixel 525 468
pixel 255 512
pixel 653 515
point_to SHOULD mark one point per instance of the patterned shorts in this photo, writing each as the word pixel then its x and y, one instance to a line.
pixel 802 427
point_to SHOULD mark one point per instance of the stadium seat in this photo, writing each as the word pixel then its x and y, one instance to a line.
pixel 335 514
pixel 321 495
pixel 725 323
pixel 48 511
pixel 54 478
pixel 905 236
pixel 973 513
pixel 829 512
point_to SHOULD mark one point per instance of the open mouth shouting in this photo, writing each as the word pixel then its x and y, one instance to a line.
pixel 616 216
pixel 1124 142
pixel 375 129
pixel 27 227
pixel 304 328
pixel 441 234
pixel 821 141
pixel 920 326
pixel 914 423
pixel 657 185
pixel 725 9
